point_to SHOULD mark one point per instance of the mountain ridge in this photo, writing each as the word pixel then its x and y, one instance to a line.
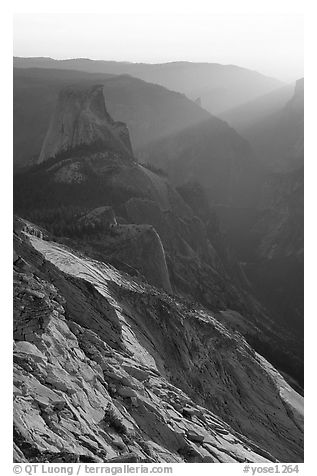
pixel 217 89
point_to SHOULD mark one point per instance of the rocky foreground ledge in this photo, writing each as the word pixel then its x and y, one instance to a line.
pixel 110 369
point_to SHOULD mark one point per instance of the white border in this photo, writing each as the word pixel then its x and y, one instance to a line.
pixel 186 7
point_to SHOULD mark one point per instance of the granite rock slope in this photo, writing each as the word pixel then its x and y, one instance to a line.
pixel 108 368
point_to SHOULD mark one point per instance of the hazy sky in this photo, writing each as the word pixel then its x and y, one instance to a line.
pixel 271 44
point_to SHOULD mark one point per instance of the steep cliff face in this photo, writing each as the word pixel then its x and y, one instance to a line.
pixel 80 119
pixel 110 369
pixel 135 248
pixel 278 140
pixel 192 260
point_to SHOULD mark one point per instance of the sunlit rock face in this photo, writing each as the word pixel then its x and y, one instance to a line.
pixel 109 369
pixel 80 119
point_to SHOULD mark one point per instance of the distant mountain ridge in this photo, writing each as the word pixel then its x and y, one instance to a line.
pixel 220 87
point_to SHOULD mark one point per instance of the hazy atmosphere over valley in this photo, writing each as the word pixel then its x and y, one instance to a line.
pixel 158 263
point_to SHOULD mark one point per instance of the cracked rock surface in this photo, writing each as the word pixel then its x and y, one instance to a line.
pixel 110 369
